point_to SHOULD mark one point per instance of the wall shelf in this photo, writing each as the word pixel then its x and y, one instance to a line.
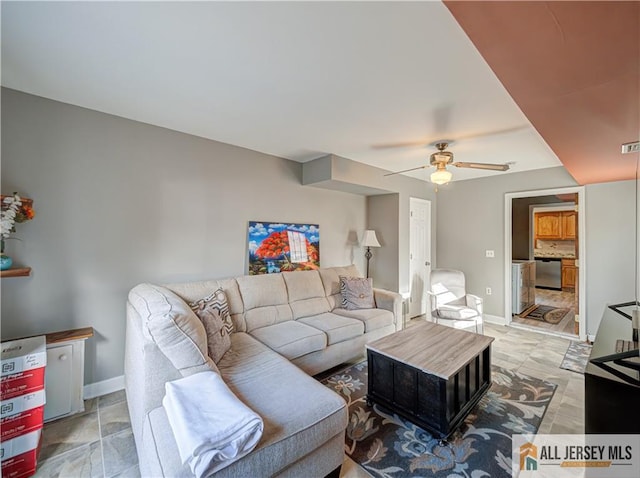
pixel 16 272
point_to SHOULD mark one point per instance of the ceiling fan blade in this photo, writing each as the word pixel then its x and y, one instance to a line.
pixel 488 166
pixel 409 144
pixel 407 170
pixel 405 144
pixel 495 132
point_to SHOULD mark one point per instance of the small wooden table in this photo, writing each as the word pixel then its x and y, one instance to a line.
pixel 430 374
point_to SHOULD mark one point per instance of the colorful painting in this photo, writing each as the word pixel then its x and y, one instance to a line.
pixel 279 247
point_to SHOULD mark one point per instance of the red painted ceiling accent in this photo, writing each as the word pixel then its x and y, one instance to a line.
pixel 573 68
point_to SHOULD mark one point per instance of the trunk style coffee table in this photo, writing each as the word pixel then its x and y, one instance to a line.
pixel 430 374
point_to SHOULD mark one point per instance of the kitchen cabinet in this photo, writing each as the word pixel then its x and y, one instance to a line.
pixel 547 225
pixel 568 229
pixel 569 272
pixel 555 225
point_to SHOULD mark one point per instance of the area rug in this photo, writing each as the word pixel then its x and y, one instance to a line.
pixel 545 313
pixel 576 357
pixel 387 445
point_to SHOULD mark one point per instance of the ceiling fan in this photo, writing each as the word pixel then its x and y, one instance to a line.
pixel 441 158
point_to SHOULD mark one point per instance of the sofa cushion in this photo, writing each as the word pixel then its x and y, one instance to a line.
pixel 306 293
pixel 262 290
pixel 448 311
pixel 265 300
pixel 172 325
pixel 373 318
pixel 357 293
pixel 291 339
pixel 331 282
pixel 337 328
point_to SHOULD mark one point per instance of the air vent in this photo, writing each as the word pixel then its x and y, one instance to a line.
pixel 632 147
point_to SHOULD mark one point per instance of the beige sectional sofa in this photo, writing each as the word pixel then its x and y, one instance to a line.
pixel 288 326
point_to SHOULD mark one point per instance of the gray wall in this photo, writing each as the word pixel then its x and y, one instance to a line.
pixel 610 244
pixel 478 209
pixel 120 202
pixel 384 217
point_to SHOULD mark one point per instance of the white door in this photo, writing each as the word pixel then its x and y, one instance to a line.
pixel 419 254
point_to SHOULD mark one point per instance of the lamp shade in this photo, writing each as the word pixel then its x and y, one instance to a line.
pixel 369 239
pixel 441 176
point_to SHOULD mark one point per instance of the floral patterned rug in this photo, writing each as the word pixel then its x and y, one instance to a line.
pixel 389 446
pixel 576 356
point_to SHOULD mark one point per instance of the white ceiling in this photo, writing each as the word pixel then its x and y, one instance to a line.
pixel 297 80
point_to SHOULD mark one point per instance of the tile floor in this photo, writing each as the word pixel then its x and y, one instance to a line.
pixel 99 442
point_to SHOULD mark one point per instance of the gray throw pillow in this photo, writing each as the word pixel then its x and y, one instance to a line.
pixel 357 293
pixel 218 338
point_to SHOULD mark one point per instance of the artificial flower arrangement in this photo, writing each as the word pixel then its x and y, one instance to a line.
pixel 14 210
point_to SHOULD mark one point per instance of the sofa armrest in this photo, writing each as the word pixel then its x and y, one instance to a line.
pixel 391 301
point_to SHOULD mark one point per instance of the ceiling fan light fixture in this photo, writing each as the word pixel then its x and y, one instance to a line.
pixel 441 176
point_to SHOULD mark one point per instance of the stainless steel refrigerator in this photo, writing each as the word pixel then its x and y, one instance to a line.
pixel 523 285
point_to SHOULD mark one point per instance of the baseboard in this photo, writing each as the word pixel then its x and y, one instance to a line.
pixel 494 319
pixel 98 389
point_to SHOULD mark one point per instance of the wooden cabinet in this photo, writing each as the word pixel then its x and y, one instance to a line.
pixel 569 272
pixel 555 225
pixel 547 225
pixel 568 230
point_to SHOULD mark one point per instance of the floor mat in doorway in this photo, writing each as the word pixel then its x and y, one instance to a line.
pixel 545 313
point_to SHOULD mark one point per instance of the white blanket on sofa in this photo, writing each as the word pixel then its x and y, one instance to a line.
pixel 212 427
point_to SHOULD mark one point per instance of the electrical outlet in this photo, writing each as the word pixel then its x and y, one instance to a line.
pixel 490 253
pixel 488 291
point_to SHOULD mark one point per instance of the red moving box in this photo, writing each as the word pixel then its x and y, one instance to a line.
pixel 20 455
pixel 21 383
pixel 22 423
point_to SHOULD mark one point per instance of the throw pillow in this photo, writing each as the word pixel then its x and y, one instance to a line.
pixel 209 311
pixel 218 301
pixel 357 293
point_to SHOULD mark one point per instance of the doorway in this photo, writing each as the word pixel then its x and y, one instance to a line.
pixel 544 270
pixel 419 254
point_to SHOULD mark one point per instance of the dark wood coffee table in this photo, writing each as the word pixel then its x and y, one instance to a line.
pixel 430 374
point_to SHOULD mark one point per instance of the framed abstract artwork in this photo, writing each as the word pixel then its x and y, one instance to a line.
pixel 282 247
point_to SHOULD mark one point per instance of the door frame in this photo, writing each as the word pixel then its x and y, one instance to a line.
pixel 427 204
pixel 508 197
